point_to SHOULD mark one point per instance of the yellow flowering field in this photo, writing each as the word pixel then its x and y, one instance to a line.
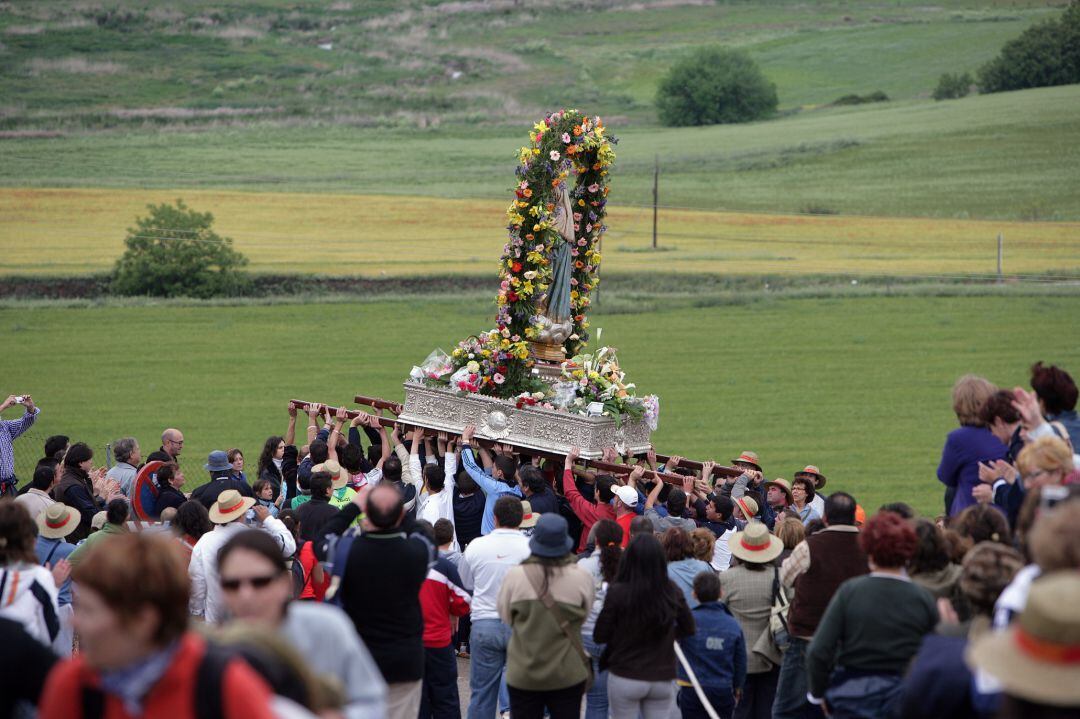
pixel 74 231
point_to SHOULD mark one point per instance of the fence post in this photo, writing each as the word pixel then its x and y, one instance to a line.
pixel 1000 248
pixel 655 197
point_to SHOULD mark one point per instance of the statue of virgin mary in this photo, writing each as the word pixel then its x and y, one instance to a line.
pixel 555 321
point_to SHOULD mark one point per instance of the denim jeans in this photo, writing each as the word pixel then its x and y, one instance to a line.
pixel 487 659
pixel 596 703
pixel 790 701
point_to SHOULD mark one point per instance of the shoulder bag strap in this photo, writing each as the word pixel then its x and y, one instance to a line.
pixel 535 575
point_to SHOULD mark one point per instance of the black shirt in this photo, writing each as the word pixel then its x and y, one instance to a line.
pixel 313 515
pixel 24 664
pixel 209 492
pixel 635 651
pixel 168 496
pixel 468 516
pixel 380 591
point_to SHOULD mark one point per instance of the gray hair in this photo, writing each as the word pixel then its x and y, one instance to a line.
pixel 124 448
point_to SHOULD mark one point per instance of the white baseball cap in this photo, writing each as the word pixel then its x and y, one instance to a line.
pixel 628 495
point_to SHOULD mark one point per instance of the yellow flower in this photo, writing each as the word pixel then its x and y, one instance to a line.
pixel 581 203
pixel 527 288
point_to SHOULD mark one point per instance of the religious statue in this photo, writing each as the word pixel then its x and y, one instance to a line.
pixel 554 316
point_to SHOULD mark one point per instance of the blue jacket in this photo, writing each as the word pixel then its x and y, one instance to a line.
pixel 492 488
pixel 717 650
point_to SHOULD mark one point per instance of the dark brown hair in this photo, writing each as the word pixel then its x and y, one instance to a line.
pixel 931 553
pixel 982 523
pixel 1054 387
pixel 135 570
pixel 17 534
pixel 999 404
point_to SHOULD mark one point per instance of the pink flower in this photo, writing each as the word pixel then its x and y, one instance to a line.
pixel 577 217
pixel 591 188
pixel 588 228
pixel 539 248
pixel 573 253
pixel 566 138
pixel 555 155
pixel 498 378
pixel 524 185
pixel 581 243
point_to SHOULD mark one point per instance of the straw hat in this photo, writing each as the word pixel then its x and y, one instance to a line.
pixel 339 474
pixel 230 505
pixel 57 521
pixel 1037 657
pixel 755 544
pixel 748 457
pixel 784 486
pixel 812 471
pixel 748 505
pixel 528 517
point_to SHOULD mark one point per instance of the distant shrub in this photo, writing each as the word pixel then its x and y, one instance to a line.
pixel 951 86
pixel 715 86
pixel 876 96
pixel 173 252
pixel 1044 55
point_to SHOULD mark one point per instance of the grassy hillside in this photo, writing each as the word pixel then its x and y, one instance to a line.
pixel 1006 156
pixel 420 62
pixel 858 386
pixel 58 232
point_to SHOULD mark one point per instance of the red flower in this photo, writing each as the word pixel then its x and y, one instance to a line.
pixel 516 267
pixel 511 296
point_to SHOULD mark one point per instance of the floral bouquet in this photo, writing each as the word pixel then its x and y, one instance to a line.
pixel 599 379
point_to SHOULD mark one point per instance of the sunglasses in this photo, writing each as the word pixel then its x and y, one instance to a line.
pixel 233 585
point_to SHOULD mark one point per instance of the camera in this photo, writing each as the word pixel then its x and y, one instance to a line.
pixel 20 399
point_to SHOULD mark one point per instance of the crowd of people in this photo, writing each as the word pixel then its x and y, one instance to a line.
pixel 349 575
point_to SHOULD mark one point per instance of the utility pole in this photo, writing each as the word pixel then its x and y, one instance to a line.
pixel 1001 247
pixel 655 198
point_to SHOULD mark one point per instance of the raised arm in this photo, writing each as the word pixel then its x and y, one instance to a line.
pixel 290 431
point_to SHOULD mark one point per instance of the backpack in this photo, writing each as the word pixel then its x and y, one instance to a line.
pixel 299 576
pixel 208 688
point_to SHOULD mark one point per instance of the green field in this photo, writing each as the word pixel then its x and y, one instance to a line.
pixel 857 386
pixel 422 63
pixel 1006 156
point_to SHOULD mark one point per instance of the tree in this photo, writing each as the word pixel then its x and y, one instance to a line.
pixel 951 86
pixel 1044 55
pixel 173 252
pixel 712 86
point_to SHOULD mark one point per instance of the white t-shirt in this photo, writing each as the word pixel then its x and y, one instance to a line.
pixel 485 563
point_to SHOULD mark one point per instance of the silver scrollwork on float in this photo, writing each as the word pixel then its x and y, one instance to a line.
pixel 528 427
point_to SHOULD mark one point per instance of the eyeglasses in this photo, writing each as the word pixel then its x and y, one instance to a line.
pixel 798 489
pixel 232 585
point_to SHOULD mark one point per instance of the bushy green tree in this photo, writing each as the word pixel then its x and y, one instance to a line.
pixel 715 85
pixel 1045 54
pixel 951 86
pixel 173 252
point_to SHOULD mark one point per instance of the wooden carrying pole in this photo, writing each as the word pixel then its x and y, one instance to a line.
pixel 621 469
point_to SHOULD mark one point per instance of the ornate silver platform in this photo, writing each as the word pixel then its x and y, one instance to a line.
pixel 529 427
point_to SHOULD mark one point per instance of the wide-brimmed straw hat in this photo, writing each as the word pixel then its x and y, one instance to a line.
pixel 748 505
pixel 784 486
pixel 339 474
pixel 528 516
pixel 748 457
pixel 755 544
pixel 230 505
pixel 57 521
pixel 1038 657
pixel 812 471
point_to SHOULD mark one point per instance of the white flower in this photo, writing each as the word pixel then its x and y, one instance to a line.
pixel 498 378
pixel 473 366
pixel 566 138
pixel 555 155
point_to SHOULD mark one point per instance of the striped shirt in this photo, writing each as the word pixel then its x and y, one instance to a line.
pixel 10 429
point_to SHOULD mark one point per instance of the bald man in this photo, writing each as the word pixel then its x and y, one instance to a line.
pixel 172 443
pixel 380 591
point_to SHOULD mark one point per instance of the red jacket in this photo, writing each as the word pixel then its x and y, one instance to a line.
pixel 442 596
pixel 587 512
pixel 244 694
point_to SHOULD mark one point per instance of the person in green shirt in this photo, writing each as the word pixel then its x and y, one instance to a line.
pixel 116 516
pixel 872 628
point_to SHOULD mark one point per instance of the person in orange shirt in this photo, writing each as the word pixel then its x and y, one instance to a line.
pixel 137 657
